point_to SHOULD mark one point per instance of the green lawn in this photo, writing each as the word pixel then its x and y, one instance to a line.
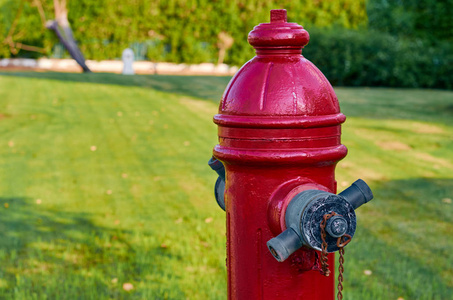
pixel 104 181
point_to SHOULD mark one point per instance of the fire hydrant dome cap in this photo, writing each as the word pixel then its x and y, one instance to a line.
pixel 279 81
pixel 278 33
pixel 280 88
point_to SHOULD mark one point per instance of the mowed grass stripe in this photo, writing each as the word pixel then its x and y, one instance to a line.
pixel 165 204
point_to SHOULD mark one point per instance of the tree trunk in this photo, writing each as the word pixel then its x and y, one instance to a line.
pixel 64 33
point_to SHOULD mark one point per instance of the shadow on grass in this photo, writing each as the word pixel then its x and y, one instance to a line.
pixel 48 252
pixel 425 198
pixel 204 87
pixel 35 241
pixel 395 273
pixel 406 241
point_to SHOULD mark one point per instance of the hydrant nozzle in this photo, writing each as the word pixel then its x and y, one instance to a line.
pixel 219 188
pixel 305 213
pixel 285 244
pixel 358 193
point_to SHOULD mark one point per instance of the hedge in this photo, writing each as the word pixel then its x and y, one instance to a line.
pixel 370 58
pixel 424 19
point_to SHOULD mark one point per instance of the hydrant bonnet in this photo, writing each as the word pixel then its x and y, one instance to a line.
pixel 284 84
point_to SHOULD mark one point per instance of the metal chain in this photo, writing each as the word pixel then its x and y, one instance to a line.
pixel 341 242
pixel 324 260
pixel 340 274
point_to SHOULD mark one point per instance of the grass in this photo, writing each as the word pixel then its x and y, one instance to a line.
pixel 104 181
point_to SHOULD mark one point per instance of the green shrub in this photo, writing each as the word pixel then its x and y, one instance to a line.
pixel 370 58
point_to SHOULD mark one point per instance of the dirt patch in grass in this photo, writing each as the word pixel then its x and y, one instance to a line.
pixel 393 145
pixel 3 116
pixel 438 162
pixel 346 165
pixel 426 128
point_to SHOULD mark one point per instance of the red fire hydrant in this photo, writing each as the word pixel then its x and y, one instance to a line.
pixel 279 141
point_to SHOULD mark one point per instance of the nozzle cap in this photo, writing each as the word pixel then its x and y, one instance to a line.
pixel 285 244
pixel 358 193
pixel 217 166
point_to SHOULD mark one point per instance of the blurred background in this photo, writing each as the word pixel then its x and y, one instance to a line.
pixel 105 191
pixel 355 43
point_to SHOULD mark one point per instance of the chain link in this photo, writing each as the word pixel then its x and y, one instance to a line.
pixel 340 274
pixel 341 242
pixel 324 260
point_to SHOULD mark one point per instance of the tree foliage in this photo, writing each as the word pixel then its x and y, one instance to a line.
pixel 431 20
pixel 176 30
pixel 21 23
pixel 376 42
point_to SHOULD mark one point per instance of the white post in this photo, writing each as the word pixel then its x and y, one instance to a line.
pixel 128 60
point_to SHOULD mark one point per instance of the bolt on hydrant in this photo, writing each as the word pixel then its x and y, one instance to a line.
pixel 279 142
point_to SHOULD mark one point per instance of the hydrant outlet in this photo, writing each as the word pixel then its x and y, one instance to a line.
pixel 219 188
pixel 358 193
pixel 282 246
pixel 306 211
pixel 217 166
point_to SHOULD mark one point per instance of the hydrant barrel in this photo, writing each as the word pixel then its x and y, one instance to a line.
pixel 279 134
